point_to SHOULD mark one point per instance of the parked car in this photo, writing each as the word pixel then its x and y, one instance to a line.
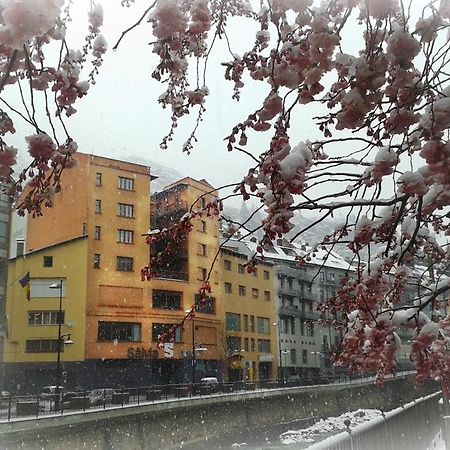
pixel 101 396
pixel 49 392
pixel 5 395
pixel 211 383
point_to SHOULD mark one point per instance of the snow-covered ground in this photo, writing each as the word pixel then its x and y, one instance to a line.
pixel 331 425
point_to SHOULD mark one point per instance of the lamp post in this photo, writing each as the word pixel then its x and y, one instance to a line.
pixel 281 372
pixel 192 313
pixel 69 341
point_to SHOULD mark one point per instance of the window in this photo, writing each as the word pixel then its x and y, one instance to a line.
pixel 228 288
pixel 331 276
pixel 202 273
pixel 206 306
pixel 255 293
pixel 310 329
pixel 264 345
pixel 322 276
pixel 255 273
pixel 170 331
pixel 227 264
pixel 166 300
pixel 242 290
pixel 202 226
pixel 245 322
pixel 3 231
pixel 302 327
pixel 252 345
pixel 252 324
pixel 98 206
pixel 263 325
pixel 292 325
pixel 125 210
pixel 126 184
pixel 45 317
pixel 124 264
pixel 267 296
pixel 201 249
pixel 293 356
pixel 43 346
pixel 203 202
pixel 98 179
pixel 233 321
pixel 48 261
pixel 96 261
pixel 20 248
pixel 304 356
pixel 234 343
pixel 125 236
pixel 266 275
pixel 241 268
pixel 119 331
pixel 246 344
pixel 98 231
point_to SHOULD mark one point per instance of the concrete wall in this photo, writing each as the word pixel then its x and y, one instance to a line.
pixel 166 425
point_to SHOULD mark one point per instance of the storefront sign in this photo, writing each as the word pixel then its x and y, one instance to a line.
pixel 141 353
pixel 168 350
pixel 265 358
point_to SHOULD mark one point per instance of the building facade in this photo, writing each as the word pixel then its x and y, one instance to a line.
pixel 304 345
pixel 249 318
pixel 105 204
pixel 5 218
pixel 177 281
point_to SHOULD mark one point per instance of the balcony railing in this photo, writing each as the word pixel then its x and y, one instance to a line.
pixel 297 312
pixel 172 275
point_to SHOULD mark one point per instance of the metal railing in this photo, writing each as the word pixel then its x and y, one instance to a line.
pixel 16 407
pixel 411 426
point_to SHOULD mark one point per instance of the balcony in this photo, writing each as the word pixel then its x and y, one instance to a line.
pixel 296 312
pixel 171 275
pixel 296 273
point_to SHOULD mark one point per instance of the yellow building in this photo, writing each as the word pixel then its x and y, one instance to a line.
pixel 105 204
pixel 179 277
pixel 248 313
pixel 30 350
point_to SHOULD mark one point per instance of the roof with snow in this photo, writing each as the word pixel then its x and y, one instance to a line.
pixel 289 252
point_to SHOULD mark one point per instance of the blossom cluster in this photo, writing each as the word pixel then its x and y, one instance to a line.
pixel 27 28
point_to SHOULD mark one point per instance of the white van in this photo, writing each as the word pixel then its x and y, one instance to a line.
pixel 49 392
pixel 211 382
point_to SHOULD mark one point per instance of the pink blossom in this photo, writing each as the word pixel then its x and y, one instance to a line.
pixel 379 9
pixel 7 160
pixel 200 17
pixel 402 47
pixel 168 19
pixel 25 19
pixel 399 121
pixel 273 105
pixel 99 46
pixel 412 183
pixel 40 146
pixel 95 18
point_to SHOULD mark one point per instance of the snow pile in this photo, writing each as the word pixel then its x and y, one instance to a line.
pixel 329 425
pixel 437 443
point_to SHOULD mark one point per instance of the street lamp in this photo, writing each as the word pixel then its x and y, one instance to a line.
pixel 59 285
pixel 192 314
pixel 280 352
